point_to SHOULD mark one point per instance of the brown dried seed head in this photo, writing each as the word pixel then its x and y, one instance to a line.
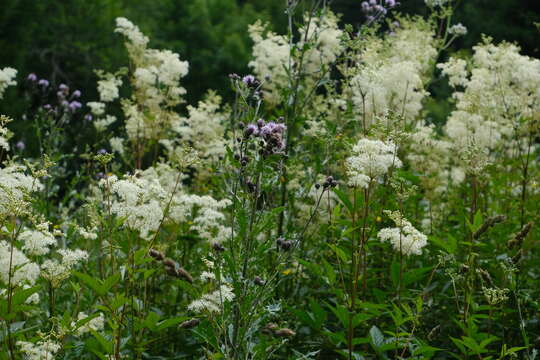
pixel 520 236
pixel 171 271
pixel 487 224
pixel 169 262
pixel 182 273
pixel 189 324
pixel 158 255
pixel 516 258
pixel 285 332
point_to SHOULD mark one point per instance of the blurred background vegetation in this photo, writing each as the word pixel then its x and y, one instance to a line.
pixel 64 41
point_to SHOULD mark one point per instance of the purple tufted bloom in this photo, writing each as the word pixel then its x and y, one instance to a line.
pixel 31 77
pixel 391 3
pixel 251 129
pixel 249 80
pixel 260 123
pixel 88 117
pixel 102 152
pixel 365 6
pixel 20 145
pixel 272 133
pixel 60 94
pixel 74 105
pixel 63 87
pixel 65 103
pixel 47 107
pixel 43 83
pixel 76 94
pixel 372 2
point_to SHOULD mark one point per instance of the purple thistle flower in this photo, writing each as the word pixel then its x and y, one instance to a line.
pixel 64 88
pixel 31 77
pixel 260 123
pixel 76 94
pixel 47 107
pixel 20 145
pixel 43 83
pixel 372 2
pixel 249 80
pixel 65 103
pixel 74 105
pixel 88 117
pixel 102 152
pixel 251 129
pixel 391 3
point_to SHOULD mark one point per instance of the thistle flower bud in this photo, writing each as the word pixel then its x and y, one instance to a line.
pixel 286 245
pixel 258 281
pixel 32 77
pixel 218 247
pixel 189 324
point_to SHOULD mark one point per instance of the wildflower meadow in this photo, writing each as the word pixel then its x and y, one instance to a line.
pixel 317 208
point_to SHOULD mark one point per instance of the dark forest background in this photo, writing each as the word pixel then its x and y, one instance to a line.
pixel 64 41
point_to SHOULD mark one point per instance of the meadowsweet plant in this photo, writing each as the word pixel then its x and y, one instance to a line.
pixel 320 213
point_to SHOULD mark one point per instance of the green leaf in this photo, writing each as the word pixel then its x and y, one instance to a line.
pixel 376 336
pixel 344 199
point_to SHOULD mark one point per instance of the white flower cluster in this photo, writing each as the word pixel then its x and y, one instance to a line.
pixel 404 237
pixel 142 199
pixel 15 186
pixel 458 30
pixel 435 3
pixel 5 134
pixel 431 156
pixel 270 59
pixel 57 271
pixel 323 37
pixel 370 159
pixel 502 88
pixel 108 87
pixel 203 128
pixel 23 271
pixel 7 78
pixel 42 350
pixel 203 213
pixel 213 302
pixel 95 324
pixel 155 83
pixel 138 202
pixel 390 73
pixel 132 32
pixel 37 242
pixel 272 53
